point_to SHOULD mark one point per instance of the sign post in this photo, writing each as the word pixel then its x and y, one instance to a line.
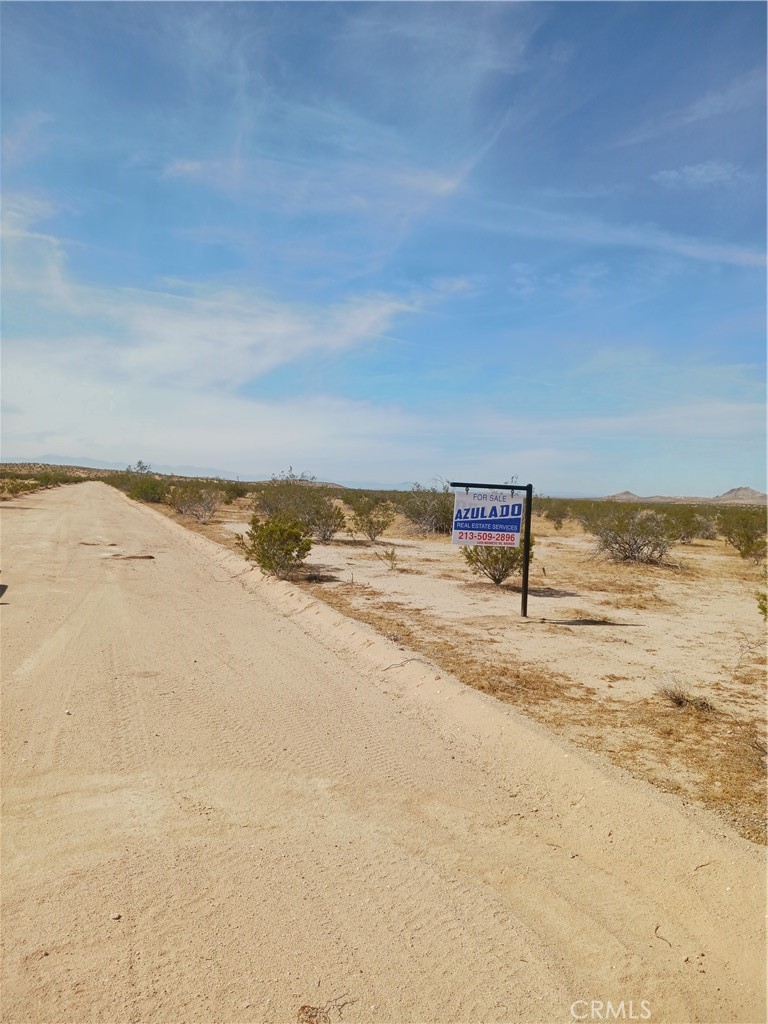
pixel 487 515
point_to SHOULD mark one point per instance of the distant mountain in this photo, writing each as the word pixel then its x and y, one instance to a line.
pixel 736 496
pixel 742 495
pixel 624 496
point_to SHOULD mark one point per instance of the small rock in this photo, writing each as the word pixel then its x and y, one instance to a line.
pixel 67 712
pixel 115 917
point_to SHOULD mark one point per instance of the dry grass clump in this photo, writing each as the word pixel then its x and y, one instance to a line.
pixel 683 698
pixel 638 599
pixel 715 759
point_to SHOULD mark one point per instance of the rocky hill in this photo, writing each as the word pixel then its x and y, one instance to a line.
pixel 736 496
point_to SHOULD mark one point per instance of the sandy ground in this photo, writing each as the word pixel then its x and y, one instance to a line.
pixel 223 801
pixel 648 626
pixel 599 648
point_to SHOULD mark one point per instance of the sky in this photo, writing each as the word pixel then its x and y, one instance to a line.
pixel 389 242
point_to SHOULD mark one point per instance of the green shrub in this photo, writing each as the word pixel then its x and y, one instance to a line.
pixel 429 509
pixel 147 488
pixel 325 519
pixel 140 468
pixel 745 530
pixel 628 533
pixel 199 501
pixel 556 510
pixel 497 563
pixel 689 522
pixel 357 498
pixel 372 519
pixel 762 602
pixel 302 499
pixel 232 489
pixel 12 488
pixel 389 557
pixel 278 547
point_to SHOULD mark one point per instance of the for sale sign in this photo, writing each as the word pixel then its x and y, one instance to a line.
pixel 487 518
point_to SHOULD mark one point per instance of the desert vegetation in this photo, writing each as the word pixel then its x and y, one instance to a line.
pixel 645 641
pixel 429 509
pixel 644 533
pixel 278 546
pixel 371 518
pixel 26 479
pixel 745 530
pixel 300 499
pixel 496 563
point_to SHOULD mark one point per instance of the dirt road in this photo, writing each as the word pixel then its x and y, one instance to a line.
pixel 223 802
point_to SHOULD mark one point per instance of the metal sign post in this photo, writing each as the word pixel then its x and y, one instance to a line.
pixel 501 525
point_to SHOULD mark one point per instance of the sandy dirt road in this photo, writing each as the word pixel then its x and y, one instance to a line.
pixel 283 810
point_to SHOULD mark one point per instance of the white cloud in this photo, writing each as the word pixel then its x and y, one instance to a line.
pixel 73 407
pixel 77 407
pixel 379 189
pixel 748 90
pixel 188 335
pixel 531 222
pixel 703 175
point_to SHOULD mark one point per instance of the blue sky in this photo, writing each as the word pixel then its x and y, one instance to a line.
pixel 384 242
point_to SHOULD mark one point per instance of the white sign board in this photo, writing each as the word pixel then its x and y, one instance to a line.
pixel 487 518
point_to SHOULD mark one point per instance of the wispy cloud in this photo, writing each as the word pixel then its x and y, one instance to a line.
pixel 532 222
pixel 302 186
pixel 25 139
pixel 191 335
pixel 342 203
pixel 743 92
pixel 703 175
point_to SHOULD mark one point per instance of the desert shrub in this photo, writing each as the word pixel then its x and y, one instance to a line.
pixel 429 509
pixel 176 497
pixel 371 518
pixel 140 468
pixel 232 489
pixel 762 602
pixel 497 563
pixel 707 529
pixel 195 500
pixel 284 495
pixel 358 498
pixel 47 478
pixel 12 488
pixel 302 499
pixel 745 530
pixel 325 519
pixel 389 557
pixel 147 488
pixel 688 522
pixel 278 546
pixel 556 510
pixel 628 533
